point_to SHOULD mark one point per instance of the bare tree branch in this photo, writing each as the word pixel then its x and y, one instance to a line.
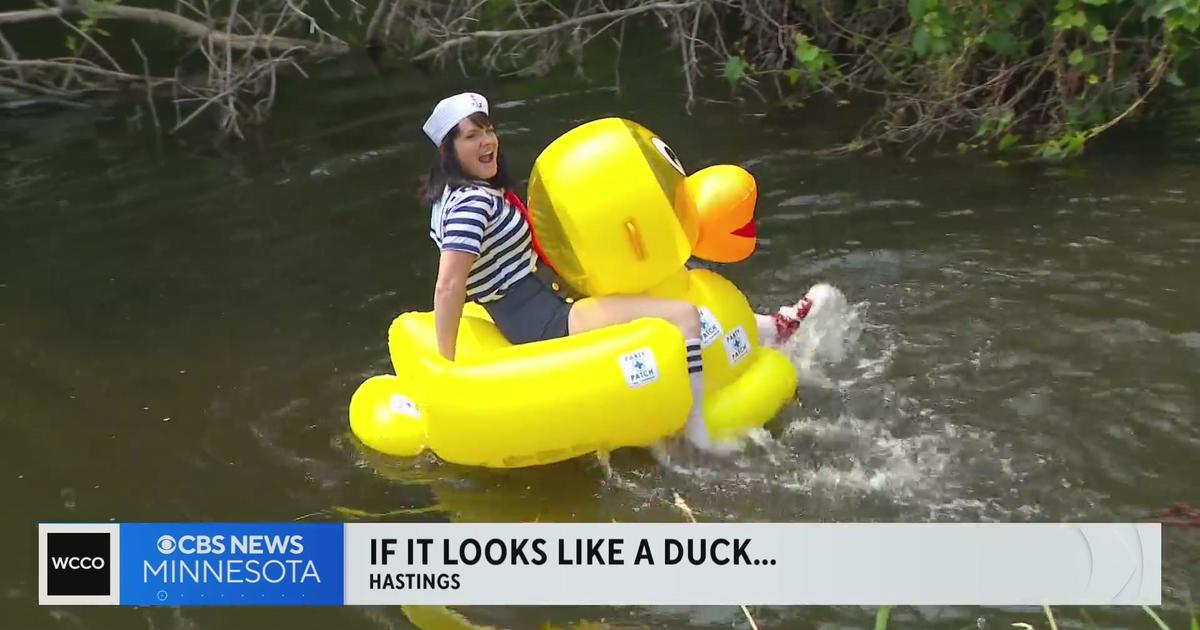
pixel 552 28
pixel 146 77
pixel 28 15
pixel 78 66
pixel 313 27
pixel 186 26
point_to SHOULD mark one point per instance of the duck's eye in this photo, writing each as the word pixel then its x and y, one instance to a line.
pixel 668 153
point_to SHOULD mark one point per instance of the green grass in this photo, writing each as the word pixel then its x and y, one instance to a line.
pixel 881 618
pixel 1050 618
pixel 1156 618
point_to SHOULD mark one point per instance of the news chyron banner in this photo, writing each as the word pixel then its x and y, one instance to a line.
pixel 191 564
pixel 334 564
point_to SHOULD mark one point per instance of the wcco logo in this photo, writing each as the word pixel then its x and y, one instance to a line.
pixel 77 563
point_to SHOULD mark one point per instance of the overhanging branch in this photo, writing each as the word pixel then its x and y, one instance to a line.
pixel 187 27
pixel 612 16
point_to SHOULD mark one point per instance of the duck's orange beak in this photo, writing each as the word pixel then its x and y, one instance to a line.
pixel 724 197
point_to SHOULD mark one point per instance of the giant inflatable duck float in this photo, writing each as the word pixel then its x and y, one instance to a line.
pixel 613 212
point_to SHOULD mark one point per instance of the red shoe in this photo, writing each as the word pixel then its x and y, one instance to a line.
pixel 787 320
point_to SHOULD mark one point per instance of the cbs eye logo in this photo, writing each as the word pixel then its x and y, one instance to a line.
pixel 77 563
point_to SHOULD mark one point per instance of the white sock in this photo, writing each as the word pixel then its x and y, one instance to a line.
pixel 767 332
pixel 696 430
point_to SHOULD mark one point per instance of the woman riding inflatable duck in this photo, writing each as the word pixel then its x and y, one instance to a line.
pixel 489 254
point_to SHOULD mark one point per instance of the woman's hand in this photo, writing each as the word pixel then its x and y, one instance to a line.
pixel 448 297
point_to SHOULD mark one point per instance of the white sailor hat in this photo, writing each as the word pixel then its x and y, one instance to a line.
pixel 450 111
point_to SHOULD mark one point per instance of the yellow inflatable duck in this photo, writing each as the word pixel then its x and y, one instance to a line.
pixel 613 212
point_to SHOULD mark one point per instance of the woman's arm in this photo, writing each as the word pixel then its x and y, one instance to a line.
pixel 448 298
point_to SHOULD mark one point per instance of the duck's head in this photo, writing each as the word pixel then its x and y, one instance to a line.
pixel 615 212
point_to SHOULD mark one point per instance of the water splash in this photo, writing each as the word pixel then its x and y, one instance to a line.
pixel 856 443
pixel 828 334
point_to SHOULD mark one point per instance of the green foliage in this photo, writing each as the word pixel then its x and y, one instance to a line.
pixel 93 12
pixel 1038 78
pixel 735 69
pixel 89 24
pixel 1068 145
pixel 810 61
pixel 1056 73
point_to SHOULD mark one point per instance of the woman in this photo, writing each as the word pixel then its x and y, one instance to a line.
pixel 487 253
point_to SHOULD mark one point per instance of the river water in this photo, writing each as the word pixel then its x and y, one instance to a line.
pixel 182 323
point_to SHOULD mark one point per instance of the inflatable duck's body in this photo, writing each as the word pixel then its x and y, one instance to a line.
pixel 614 214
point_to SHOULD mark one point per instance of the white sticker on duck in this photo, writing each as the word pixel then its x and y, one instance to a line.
pixel 710 328
pixel 403 406
pixel 639 367
pixel 737 345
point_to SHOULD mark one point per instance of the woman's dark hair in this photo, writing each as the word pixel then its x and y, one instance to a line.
pixel 446 171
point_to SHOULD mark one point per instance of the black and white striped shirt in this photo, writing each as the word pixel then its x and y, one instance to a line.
pixel 478 220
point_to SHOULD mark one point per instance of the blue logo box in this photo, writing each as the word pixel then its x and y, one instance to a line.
pixel 232 564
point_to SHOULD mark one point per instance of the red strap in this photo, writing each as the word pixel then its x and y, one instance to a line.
pixel 512 198
pixel 786 326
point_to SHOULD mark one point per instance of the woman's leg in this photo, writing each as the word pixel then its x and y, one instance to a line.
pixel 592 313
pixel 598 312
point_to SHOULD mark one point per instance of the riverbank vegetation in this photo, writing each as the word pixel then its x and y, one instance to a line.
pixel 1031 77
